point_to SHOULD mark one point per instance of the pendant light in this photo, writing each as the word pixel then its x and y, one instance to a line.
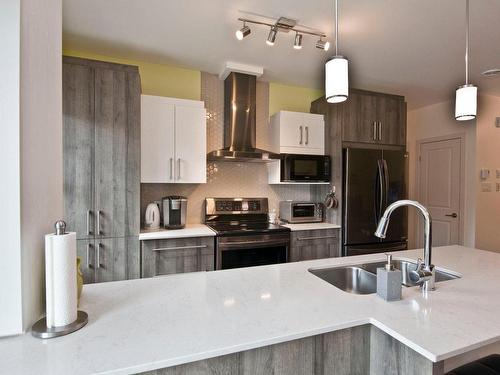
pixel 466 95
pixel 336 71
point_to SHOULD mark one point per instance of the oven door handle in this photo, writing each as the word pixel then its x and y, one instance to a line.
pixel 242 245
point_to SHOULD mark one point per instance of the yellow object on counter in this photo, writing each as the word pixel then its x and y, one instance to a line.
pixel 79 277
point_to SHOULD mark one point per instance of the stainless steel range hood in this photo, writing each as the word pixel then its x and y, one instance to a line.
pixel 239 122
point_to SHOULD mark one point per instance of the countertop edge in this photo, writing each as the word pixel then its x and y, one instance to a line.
pixel 310 226
pixel 235 349
pixel 191 230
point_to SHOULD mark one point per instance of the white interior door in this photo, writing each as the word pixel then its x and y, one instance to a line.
pixel 440 181
pixel 190 145
pixel 157 139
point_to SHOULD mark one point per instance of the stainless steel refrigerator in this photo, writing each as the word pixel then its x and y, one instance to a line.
pixel 372 179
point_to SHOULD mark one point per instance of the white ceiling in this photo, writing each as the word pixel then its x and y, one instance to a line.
pixel 409 47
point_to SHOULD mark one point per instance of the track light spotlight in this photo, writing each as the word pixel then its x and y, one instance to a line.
pixel 272 36
pixel 298 41
pixel 323 44
pixel 243 32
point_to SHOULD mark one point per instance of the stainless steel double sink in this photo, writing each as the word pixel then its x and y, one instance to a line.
pixel 362 278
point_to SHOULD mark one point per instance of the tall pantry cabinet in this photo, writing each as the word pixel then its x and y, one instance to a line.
pixel 101 143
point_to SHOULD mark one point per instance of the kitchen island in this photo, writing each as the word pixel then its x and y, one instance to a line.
pixel 142 325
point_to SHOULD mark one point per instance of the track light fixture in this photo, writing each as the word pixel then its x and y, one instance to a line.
pixel 297 44
pixel 284 25
pixel 323 44
pixel 271 37
pixel 243 32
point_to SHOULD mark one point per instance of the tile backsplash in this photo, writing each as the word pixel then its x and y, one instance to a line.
pixel 227 179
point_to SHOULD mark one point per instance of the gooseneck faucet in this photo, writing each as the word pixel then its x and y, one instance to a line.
pixel 424 274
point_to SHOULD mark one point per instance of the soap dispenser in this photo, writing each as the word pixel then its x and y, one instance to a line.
pixel 389 281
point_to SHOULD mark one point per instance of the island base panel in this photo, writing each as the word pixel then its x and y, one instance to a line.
pixel 358 350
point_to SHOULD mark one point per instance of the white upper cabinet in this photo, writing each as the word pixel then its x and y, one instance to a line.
pixel 173 140
pixel 190 144
pixel 298 133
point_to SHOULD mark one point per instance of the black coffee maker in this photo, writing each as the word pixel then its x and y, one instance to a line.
pixel 174 211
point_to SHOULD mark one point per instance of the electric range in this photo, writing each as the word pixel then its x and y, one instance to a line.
pixel 244 238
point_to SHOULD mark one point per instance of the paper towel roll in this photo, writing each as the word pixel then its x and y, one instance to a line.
pixel 60 279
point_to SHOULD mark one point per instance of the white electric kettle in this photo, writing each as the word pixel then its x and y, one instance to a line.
pixel 152 217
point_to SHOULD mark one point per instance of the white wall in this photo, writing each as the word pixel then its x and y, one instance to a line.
pixel 488 156
pixel 30 153
pixel 434 121
pixel 10 264
pixel 41 142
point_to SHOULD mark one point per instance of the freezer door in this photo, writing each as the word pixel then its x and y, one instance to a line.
pixel 362 193
pixel 394 189
pixel 351 250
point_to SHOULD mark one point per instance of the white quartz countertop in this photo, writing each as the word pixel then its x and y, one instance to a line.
pixel 141 325
pixel 310 226
pixel 190 230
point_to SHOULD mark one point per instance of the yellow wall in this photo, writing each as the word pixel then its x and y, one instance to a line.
pixel 166 80
pixel 157 79
pixel 291 98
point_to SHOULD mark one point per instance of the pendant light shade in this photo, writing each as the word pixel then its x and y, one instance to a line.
pixel 466 95
pixel 337 79
pixel 336 71
pixel 466 103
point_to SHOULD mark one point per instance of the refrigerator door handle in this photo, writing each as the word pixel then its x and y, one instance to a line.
pixel 385 171
pixel 380 189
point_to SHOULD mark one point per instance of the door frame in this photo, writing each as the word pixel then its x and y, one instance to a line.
pixel 418 144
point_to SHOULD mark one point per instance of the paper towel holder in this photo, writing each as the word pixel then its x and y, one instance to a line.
pixel 40 329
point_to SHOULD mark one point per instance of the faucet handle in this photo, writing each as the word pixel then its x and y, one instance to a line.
pixel 420 274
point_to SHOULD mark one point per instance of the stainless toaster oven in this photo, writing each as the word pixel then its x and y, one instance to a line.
pixel 301 212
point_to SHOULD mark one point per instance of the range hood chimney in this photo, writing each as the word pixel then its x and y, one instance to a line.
pixel 239 122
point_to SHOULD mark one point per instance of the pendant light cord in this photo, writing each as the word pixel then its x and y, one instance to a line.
pixel 337 27
pixel 466 42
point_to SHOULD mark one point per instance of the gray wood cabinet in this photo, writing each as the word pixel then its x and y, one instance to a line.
pixel 101 145
pixel 78 146
pixel 314 244
pixel 109 259
pixel 375 118
pixel 179 255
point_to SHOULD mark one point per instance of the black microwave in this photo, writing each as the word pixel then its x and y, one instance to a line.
pixel 313 168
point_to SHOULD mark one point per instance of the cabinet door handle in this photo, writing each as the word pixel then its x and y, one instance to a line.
pixel 98 256
pixel 89 265
pixel 89 232
pixel 380 130
pixel 307 135
pixel 301 135
pixel 98 219
pixel 171 168
pixel 315 238
pixel 374 130
pixel 453 215
pixel 180 248
pixel 179 168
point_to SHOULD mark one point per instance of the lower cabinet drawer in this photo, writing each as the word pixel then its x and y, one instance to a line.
pixel 314 244
pixel 165 257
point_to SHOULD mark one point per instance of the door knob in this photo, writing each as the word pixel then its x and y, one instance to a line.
pixel 454 215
